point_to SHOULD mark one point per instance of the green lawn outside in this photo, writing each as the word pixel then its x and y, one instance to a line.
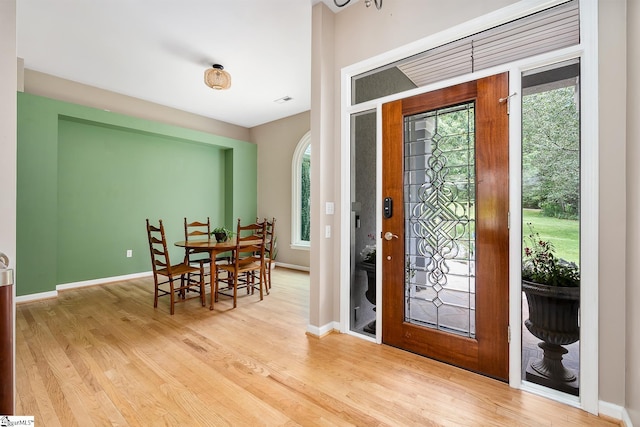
pixel 563 233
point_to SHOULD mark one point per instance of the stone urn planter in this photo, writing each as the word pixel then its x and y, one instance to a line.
pixel 370 293
pixel 553 318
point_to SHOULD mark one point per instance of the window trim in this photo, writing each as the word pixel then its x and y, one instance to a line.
pixel 296 185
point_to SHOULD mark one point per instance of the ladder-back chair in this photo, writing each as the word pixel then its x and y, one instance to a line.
pixel 162 267
pixel 248 261
pixel 197 230
pixel 269 249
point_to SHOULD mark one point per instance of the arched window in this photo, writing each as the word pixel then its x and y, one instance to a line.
pixel 301 194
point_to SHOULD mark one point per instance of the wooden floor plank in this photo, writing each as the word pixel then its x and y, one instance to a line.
pixel 103 355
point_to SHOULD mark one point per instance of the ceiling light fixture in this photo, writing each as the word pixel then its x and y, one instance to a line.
pixel 367 3
pixel 216 78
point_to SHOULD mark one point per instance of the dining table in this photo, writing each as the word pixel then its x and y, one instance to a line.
pixel 216 248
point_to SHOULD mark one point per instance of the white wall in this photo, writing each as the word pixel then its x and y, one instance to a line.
pixel 277 142
pixel 8 126
pixel 362 32
pixel 612 92
pixel 632 320
pixel 324 296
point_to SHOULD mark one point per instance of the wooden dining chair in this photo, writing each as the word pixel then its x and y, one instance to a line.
pixel 247 269
pixel 197 230
pixel 269 249
pixel 162 267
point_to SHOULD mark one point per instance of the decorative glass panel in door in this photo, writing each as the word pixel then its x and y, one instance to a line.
pixel 440 216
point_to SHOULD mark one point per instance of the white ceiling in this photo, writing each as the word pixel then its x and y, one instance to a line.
pixel 158 50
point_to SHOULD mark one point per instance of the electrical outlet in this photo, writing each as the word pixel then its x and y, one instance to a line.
pixel 129 253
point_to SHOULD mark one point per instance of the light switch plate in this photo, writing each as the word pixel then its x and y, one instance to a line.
pixel 329 208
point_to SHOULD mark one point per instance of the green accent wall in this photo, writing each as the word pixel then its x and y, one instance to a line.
pixel 88 179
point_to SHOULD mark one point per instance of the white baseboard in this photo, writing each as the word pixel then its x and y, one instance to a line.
pixel 36 297
pixel 65 286
pixel 550 393
pixel 102 281
pixel 626 419
pixel 323 330
pixel 615 411
pixel 292 266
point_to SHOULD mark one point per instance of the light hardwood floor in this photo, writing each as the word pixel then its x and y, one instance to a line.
pixel 103 356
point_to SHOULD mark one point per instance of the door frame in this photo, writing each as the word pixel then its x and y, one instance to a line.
pixel 587 52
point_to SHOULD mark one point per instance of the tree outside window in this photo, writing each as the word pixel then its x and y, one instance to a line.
pixel 305 196
pixel 301 194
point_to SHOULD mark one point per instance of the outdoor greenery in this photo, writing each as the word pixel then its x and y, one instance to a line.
pixel 551 152
pixel 541 265
pixel 551 186
pixel 564 233
pixel 305 211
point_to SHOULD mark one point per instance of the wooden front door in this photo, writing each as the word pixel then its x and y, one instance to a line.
pixel 445 225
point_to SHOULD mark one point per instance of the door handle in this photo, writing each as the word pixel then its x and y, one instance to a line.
pixel 389 235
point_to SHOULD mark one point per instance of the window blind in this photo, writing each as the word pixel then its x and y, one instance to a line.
pixel 545 31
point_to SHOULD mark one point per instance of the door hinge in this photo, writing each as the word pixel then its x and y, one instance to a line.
pixel 509 333
pixel 509 220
